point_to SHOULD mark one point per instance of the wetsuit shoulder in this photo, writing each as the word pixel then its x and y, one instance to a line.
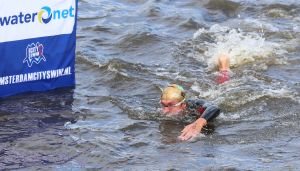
pixel 195 103
pixel 210 112
pixel 203 109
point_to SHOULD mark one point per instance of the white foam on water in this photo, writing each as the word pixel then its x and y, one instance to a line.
pixel 266 2
pixel 83 125
pixel 263 26
pixel 162 72
pixel 230 116
pixel 240 91
pixel 283 92
pixel 240 46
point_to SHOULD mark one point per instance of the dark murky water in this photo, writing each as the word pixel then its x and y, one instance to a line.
pixel 127 49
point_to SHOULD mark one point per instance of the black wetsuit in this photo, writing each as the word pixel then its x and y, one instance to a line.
pixel 200 109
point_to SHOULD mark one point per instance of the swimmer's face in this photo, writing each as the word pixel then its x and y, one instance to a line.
pixel 172 100
pixel 172 107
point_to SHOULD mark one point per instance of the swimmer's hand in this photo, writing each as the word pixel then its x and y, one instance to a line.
pixel 192 130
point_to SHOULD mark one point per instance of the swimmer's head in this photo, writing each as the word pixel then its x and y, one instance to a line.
pixel 172 99
pixel 173 92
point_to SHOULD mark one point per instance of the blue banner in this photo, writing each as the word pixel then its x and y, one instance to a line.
pixel 37 45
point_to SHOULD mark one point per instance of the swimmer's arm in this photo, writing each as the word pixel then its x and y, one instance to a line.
pixel 210 113
pixel 192 130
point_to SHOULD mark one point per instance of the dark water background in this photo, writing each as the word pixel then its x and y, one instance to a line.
pixel 127 50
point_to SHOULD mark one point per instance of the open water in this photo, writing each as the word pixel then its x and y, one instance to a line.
pixel 127 50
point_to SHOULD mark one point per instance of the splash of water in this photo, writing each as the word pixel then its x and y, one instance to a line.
pixel 242 47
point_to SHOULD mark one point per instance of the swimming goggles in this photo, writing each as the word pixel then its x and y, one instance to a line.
pixel 172 105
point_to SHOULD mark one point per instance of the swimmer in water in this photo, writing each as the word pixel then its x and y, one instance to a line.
pixel 174 103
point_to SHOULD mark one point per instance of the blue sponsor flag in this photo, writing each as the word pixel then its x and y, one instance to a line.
pixel 37 45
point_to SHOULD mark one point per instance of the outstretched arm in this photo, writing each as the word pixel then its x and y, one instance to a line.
pixel 192 130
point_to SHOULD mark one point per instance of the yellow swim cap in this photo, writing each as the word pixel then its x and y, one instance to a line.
pixel 173 92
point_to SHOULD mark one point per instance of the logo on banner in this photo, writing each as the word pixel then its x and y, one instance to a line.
pixel 49 15
pixel 45 15
pixel 34 54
